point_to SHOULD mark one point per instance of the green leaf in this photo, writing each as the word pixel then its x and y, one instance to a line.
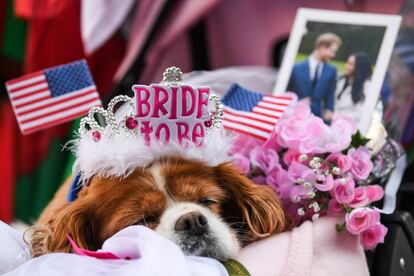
pixel 234 268
pixel 340 227
pixel 358 140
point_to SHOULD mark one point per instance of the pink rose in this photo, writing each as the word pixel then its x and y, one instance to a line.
pixel 373 236
pixel 276 176
pixel 343 162
pixel 360 219
pixel 317 133
pixel 299 192
pixel 282 183
pixel 361 162
pixel 265 159
pixel 360 198
pixel 365 195
pixel 326 185
pixel 374 192
pixel 340 137
pixel 352 126
pixel 272 142
pixel 301 110
pixel 308 146
pixel 242 162
pixel 243 144
pixel 290 156
pixel 304 132
pixel 344 190
pixel 297 170
pixel 290 133
pixel 334 207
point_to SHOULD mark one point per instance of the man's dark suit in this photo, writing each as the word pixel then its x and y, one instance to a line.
pixel 323 94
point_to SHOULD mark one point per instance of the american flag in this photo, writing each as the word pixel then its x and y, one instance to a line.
pixel 52 96
pixel 252 113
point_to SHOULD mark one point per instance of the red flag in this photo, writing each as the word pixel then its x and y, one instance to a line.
pixel 8 161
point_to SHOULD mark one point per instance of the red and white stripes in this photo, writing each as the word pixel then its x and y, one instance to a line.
pixel 261 121
pixel 36 109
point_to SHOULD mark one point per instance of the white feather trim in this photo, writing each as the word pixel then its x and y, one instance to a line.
pixel 119 155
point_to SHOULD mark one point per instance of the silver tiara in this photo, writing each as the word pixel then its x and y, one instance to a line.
pixel 100 122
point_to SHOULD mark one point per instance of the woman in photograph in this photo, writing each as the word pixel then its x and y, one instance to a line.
pixel 351 86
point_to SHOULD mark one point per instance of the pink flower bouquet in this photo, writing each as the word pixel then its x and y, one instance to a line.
pixel 318 170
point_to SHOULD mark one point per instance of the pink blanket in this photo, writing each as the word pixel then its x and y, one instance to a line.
pixel 311 249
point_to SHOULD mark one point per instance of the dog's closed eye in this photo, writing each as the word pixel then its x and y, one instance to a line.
pixel 207 201
pixel 147 220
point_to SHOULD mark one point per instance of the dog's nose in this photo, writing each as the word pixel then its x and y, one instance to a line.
pixel 193 222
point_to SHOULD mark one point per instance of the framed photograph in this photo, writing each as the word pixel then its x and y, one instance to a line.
pixel 336 61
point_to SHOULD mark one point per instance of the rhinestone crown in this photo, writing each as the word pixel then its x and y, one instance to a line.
pixel 172 75
pixel 100 122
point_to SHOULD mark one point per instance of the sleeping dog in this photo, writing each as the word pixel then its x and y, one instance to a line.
pixel 206 210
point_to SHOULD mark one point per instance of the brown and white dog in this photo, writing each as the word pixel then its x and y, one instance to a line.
pixel 206 210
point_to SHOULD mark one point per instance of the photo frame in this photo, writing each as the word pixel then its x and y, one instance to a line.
pixel 376 34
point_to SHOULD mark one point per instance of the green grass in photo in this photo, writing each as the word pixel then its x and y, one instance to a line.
pixel 340 65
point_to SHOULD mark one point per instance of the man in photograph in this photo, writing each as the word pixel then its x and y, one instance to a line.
pixel 314 79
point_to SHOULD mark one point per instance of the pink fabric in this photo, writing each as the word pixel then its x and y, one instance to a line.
pixel 311 249
pixel 146 13
pixel 171 46
pixel 171 37
pixel 96 254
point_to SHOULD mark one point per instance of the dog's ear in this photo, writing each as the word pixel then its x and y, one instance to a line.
pixel 257 206
pixel 75 219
